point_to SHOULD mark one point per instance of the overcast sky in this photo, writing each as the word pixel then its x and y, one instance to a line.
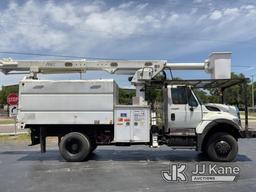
pixel 176 30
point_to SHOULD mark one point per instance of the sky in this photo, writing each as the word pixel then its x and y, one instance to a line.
pixel 173 30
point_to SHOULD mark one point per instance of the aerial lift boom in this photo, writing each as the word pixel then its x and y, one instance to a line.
pixel 128 67
pixel 218 65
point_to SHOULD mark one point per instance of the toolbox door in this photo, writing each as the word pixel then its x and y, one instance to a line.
pixel 122 125
pixel 141 125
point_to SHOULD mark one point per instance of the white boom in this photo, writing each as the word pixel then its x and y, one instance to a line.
pixel 66 66
pixel 145 69
pixel 218 65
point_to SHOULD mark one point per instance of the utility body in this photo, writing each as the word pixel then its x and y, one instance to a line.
pixel 86 113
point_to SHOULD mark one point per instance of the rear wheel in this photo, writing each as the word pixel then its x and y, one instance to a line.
pixel 222 147
pixel 203 151
pixel 74 147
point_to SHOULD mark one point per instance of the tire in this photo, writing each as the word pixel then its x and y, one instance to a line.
pixel 222 147
pixel 75 147
pixel 203 151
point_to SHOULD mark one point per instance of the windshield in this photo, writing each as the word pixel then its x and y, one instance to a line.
pixel 195 91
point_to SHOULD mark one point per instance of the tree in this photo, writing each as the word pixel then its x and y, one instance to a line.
pixel 125 96
pixel 234 95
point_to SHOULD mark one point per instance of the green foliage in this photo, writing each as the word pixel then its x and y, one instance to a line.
pixel 6 90
pixel 125 96
pixel 153 94
pixel 6 121
pixel 234 95
pixel 205 96
pixel 202 95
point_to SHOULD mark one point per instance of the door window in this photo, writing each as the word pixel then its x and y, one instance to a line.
pixel 179 95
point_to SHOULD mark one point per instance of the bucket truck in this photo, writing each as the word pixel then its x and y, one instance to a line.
pixel 84 114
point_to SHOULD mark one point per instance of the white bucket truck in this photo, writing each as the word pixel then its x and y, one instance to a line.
pixel 86 113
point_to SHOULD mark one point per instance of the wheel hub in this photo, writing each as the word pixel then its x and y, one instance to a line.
pixel 73 146
pixel 222 148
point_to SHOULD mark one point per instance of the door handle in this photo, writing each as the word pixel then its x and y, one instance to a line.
pixel 173 116
pixel 191 108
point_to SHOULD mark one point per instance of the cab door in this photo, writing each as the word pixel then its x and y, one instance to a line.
pixel 194 112
pixel 177 107
pixel 184 111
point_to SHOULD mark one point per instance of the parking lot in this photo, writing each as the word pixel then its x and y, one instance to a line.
pixel 109 168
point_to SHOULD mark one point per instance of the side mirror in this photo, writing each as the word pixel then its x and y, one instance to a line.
pixel 191 108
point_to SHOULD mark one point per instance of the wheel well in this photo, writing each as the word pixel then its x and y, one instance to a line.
pixel 222 127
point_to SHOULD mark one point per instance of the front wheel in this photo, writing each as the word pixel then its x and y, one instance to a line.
pixel 75 147
pixel 222 147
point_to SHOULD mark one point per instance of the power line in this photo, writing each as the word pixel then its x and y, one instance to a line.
pixel 43 54
pixel 241 66
pixel 57 55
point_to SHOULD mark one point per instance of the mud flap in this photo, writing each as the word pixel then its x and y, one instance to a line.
pixel 35 136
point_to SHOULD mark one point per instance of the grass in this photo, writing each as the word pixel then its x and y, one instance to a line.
pixel 20 137
pixel 252 114
pixel 6 121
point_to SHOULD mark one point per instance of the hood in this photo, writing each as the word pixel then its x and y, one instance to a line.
pixel 222 107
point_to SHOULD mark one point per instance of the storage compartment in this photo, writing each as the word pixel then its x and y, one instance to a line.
pixel 67 102
pixel 132 123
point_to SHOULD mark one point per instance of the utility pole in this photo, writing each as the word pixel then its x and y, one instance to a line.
pixel 252 93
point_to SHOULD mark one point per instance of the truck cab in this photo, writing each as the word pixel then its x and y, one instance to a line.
pixel 184 109
pixel 188 123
